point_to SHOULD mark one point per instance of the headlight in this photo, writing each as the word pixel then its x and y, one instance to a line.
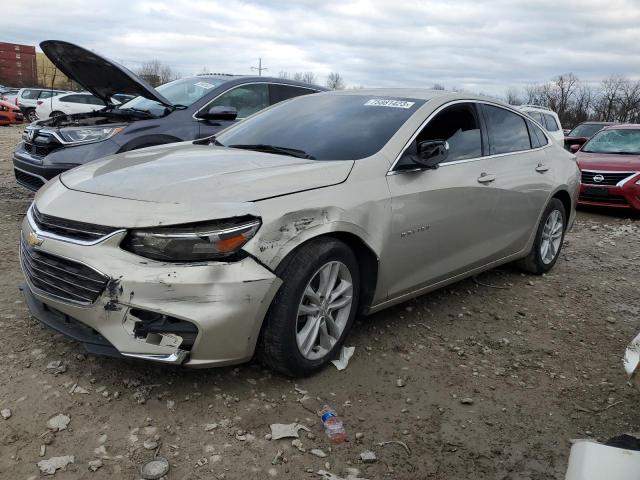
pixel 192 242
pixel 3 108
pixel 88 134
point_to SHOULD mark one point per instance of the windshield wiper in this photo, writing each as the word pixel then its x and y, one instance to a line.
pixel 263 147
pixel 137 110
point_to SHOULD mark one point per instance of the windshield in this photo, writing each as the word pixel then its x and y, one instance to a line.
pixel 614 141
pixel 325 127
pixel 586 130
pixel 184 91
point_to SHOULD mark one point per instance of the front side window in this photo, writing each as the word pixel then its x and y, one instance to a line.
pixel 550 122
pixel 29 94
pixel 325 126
pixel 246 99
pixel 614 141
pixel 507 130
pixel 459 126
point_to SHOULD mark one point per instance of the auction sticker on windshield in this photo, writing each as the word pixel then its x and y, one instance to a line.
pixel 204 85
pixel 378 102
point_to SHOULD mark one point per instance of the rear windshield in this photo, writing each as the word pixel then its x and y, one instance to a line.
pixel 327 127
pixel 586 130
pixel 184 91
pixel 614 141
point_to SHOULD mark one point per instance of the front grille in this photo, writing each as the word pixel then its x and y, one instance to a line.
pixel 42 144
pixel 86 232
pixel 608 178
pixel 618 199
pixel 30 181
pixel 60 277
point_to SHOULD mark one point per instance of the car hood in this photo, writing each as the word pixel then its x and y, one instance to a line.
pixel 608 161
pixel 186 173
pixel 100 76
pixel 10 106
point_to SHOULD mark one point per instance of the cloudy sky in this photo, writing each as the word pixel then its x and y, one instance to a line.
pixel 483 46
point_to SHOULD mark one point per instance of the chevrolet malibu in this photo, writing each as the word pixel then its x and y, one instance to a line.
pixel 269 238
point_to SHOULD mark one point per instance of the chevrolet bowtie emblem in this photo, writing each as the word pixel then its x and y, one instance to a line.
pixel 34 240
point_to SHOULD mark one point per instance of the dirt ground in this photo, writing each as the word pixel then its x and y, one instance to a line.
pixel 497 374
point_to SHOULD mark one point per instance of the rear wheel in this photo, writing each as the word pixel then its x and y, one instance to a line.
pixel 313 310
pixel 548 242
pixel 31 115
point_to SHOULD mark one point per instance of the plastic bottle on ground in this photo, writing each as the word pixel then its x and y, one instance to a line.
pixel 333 426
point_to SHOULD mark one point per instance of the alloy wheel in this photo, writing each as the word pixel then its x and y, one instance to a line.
pixel 551 237
pixel 323 312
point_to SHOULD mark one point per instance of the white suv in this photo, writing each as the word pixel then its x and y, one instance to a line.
pixel 67 104
pixel 547 118
pixel 27 100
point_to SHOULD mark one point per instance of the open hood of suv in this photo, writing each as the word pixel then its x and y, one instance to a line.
pixel 100 76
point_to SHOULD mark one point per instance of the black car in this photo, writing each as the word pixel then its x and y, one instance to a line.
pixel 185 109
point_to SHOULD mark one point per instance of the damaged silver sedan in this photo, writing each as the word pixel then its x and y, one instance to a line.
pixel 269 238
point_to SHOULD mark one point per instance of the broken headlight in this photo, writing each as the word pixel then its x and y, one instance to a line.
pixel 87 134
pixel 192 242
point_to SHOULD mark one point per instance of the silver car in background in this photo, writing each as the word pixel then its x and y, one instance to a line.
pixel 272 236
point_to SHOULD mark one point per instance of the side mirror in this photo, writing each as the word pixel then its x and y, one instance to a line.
pixel 219 112
pixel 431 153
pixel 574 148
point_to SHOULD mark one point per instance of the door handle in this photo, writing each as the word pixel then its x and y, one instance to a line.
pixel 541 168
pixel 486 178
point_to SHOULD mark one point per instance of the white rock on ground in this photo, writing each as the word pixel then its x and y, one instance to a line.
pixel 6 413
pixel 317 452
pixel 58 422
pixel 94 465
pixel 49 467
pixel 289 430
pixel 368 456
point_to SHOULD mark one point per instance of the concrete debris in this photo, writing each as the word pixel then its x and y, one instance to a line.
pixel 352 474
pixel 343 360
pixel 278 458
pixel 297 443
pixel 368 456
pixel 210 426
pixel 202 462
pixel 466 401
pixel 286 430
pixel 317 452
pixel 400 383
pixel 150 444
pixel 155 469
pixel 6 413
pixel 94 465
pixel 50 466
pixel 78 389
pixel 58 422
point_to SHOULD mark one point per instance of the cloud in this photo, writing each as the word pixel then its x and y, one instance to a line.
pixel 478 45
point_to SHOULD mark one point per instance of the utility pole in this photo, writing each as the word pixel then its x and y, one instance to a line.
pixel 259 68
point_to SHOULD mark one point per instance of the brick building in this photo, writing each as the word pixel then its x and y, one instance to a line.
pixel 18 65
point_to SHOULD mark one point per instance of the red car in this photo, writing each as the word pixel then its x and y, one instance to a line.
pixel 9 113
pixel 610 167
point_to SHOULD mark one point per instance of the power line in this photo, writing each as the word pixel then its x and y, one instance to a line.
pixel 259 68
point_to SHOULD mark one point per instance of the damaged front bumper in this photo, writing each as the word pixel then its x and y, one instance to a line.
pixel 194 314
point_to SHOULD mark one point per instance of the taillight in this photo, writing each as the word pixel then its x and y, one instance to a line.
pixel 40 102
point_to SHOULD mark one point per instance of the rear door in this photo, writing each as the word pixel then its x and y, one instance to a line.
pixel 522 182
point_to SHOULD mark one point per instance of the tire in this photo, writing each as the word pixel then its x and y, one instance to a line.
pixel 55 113
pixel 283 328
pixel 535 262
pixel 31 115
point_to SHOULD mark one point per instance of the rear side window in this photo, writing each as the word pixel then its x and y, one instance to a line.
pixel 550 122
pixel 459 126
pixel 246 99
pixel 73 99
pixel 91 100
pixel 507 131
pixel 29 94
pixel 538 138
pixel 279 93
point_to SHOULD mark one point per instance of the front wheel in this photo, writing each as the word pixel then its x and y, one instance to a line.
pixel 548 242
pixel 313 310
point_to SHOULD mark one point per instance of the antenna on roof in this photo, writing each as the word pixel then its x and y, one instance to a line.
pixel 259 68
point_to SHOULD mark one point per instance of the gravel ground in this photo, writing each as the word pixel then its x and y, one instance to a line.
pixel 489 378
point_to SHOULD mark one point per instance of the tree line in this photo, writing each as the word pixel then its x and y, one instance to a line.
pixel 614 99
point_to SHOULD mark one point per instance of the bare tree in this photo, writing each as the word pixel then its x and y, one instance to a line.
pixel 629 103
pixel 608 99
pixel 437 86
pixel 156 73
pixel 335 81
pixel 513 97
pixel 283 74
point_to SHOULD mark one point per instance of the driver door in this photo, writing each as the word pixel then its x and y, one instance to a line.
pixel 441 217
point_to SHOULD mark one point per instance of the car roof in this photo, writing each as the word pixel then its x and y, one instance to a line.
pixel 589 122
pixel 419 94
pixel 623 126
pixel 256 78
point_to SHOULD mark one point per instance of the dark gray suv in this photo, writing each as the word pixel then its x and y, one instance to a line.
pixel 185 109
